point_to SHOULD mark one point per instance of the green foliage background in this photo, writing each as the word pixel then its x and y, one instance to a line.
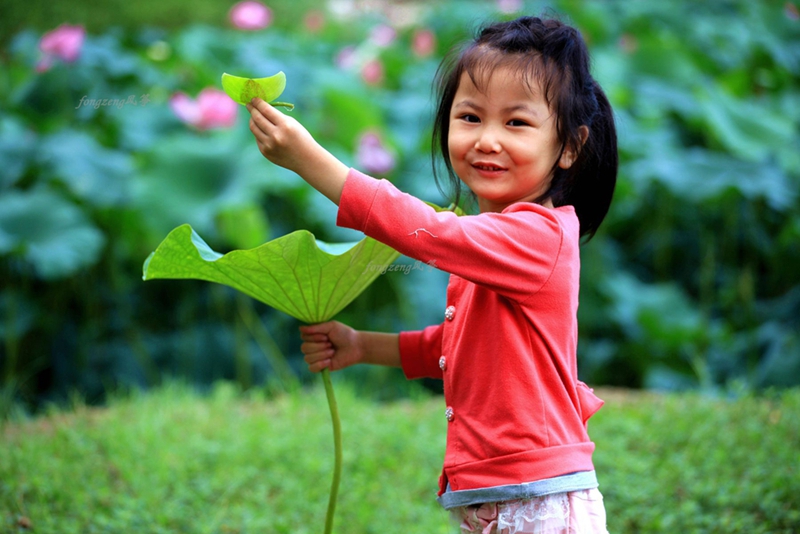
pixel 231 463
pixel 691 282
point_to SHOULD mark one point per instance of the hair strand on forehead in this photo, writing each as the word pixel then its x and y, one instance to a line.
pixel 481 62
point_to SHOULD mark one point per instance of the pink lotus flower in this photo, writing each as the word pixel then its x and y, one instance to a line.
pixel 509 6
pixel 346 58
pixel 382 35
pixel 314 21
pixel 628 43
pixel 212 109
pixel 250 15
pixel 372 156
pixel 423 43
pixel 372 72
pixel 791 11
pixel 64 43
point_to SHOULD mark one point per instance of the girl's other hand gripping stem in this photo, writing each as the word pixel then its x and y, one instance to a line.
pixel 334 345
pixel 285 142
pixel 330 345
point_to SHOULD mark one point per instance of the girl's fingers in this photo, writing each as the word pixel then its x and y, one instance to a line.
pixel 315 338
pixel 318 361
pixel 258 107
pixel 318 328
pixel 319 355
pixel 319 366
pixel 267 110
pixel 258 122
pixel 315 347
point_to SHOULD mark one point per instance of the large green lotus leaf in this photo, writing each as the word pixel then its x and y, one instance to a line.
pixel 308 279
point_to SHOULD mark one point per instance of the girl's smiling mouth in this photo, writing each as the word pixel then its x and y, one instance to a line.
pixel 486 168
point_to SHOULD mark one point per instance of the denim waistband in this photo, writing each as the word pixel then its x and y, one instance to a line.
pixel 572 482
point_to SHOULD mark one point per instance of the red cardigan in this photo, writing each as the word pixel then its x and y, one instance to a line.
pixel 506 349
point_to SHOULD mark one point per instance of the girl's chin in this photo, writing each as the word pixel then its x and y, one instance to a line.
pixel 497 202
pixel 487 204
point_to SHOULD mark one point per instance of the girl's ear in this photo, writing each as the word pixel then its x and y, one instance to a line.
pixel 570 153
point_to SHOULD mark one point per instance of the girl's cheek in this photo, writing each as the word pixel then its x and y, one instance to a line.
pixel 457 143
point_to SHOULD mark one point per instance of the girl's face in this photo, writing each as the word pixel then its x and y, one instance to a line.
pixel 503 141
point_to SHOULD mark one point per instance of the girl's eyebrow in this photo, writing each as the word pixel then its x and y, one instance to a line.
pixel 467 104
pixel 510 109
pixel 522 107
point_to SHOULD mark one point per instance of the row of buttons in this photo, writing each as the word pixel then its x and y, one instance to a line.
pixel 449 314
pixel 448 413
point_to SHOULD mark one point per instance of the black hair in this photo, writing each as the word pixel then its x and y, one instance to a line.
pixel 555 55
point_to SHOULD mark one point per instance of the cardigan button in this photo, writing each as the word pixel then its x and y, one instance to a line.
pixel 442 363
pixel 449 313
pixel 449 414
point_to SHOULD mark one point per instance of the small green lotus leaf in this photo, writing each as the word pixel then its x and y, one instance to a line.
pixel 242 90
pixel 252 90
pixel 305 278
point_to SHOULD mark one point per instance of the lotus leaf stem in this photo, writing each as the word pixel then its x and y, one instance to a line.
pixel 337 448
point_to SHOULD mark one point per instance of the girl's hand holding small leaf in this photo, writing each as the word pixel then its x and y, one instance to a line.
pixel 280 138
pixel 330 345
pixel 285 142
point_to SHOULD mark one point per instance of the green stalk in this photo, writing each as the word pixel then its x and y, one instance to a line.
pixel 286 105
pixel 337 448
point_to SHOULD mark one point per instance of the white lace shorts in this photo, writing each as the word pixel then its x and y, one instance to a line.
pixel 576 512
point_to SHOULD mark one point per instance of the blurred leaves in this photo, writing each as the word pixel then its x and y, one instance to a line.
pixel 49 232
pixel 16 150
pixel 191 179
pixel 699 176
pixel 93 173
pixel 748 129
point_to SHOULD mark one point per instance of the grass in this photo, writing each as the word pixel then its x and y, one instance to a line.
pixel 174 461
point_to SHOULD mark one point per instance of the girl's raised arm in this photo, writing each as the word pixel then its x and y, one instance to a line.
pixel 285 142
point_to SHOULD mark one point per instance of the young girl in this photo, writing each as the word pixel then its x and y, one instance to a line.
pixel 524 126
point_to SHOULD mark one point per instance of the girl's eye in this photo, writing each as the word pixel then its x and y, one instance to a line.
pixel 470 118
pixel 517 122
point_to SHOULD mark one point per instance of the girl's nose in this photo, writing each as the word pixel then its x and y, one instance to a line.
pixel 488 141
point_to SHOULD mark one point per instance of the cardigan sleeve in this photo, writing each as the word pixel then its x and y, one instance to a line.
pixel 512 253
pixel 420 351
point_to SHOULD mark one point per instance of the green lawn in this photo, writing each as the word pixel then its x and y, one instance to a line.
pixel 174 461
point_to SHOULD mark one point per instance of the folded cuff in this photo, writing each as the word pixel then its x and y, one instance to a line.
pixel 420 351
